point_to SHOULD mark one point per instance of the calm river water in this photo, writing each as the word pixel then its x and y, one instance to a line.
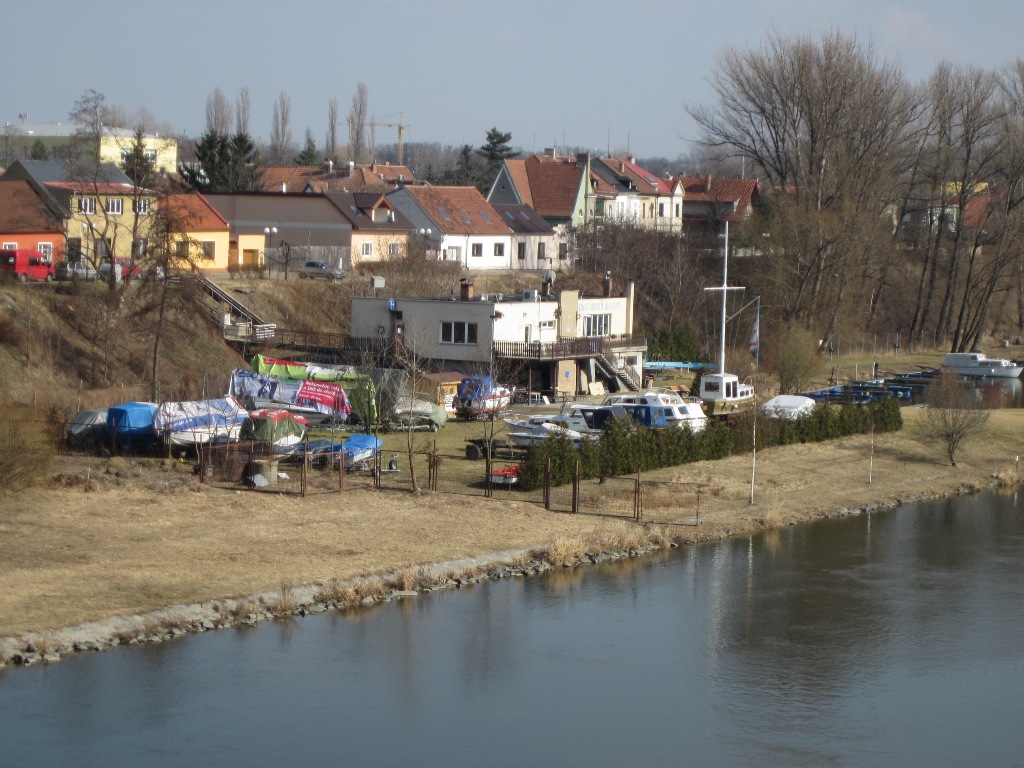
pixel 882 640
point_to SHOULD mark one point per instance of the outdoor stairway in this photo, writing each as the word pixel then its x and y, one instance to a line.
pixel 237 309
pixel 623 376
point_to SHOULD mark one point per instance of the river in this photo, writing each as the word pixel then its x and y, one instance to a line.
pixel 895 638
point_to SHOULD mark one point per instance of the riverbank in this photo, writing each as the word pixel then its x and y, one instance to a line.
pixel 113 539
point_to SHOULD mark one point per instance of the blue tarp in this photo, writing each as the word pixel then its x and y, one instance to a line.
pixel 130 426
pixel 671 366
pixel 473 387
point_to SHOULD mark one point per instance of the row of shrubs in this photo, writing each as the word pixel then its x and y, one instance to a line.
pixel 626 448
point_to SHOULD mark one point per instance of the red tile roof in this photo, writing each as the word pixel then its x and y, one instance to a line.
pixel 738 192
pixel 288 178
pixel 192 212
pixel 459 210
pixel 22 210
pixel 554 186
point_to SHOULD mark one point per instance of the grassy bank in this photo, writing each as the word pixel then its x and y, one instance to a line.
pixel 112 537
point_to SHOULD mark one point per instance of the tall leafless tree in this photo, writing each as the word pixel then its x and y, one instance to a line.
pixel 357 117
pixel 332 130
pixel 281 145
pixel 242 111
pixel 218 113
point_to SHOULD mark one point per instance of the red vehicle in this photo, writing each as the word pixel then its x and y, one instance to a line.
pixel 25 264
pixel 123 268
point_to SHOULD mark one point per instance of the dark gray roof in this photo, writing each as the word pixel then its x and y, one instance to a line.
pixel 523 220
pixel 49 171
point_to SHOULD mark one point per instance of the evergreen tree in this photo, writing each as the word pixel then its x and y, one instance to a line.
pixel 224 164
pixel 137 165
pixel 495 151
pixel 309 155
pixel 39 151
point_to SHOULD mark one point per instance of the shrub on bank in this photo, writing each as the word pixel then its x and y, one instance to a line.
pixel 626 448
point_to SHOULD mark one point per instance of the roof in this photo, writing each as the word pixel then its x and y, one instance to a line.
pixel 49 171
pixel 22 210
pixel 458 210
pixel 524 220
pixel 738 193
pixel 193 212
pixel 451 377
pixel 98 187
pixel 376 177
pixel 517 171
pixel 358 208
pixel 288 178
pixel 645 182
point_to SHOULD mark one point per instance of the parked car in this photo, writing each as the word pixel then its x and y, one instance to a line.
pixel 75 270
pixel 313 270
pixel 25 264
pixel 127 269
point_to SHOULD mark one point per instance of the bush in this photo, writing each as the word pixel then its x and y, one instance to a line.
pixel 25 452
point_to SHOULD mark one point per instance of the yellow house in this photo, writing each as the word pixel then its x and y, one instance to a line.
pixel 62 141
pixel 201 236
pixel 106 218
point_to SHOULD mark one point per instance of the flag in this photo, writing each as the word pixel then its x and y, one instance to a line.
pixel 755 338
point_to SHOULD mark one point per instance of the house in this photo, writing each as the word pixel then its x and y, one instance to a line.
pixel 562 344
pixel 288 178
pixel 201 235
pixel 379 230
pixel 458 223
pixel 708 199
pixel 278 231
pixel 64 142
pixel 105 214
pixel 556 187
pixel 642 198
pixel 30 221
pixel 535 245
pixel 438 388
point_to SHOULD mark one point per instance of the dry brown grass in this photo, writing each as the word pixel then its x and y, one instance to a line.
pixel 284 603
pixel 129 547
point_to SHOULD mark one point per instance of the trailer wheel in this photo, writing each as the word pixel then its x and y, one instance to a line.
pixel 473 452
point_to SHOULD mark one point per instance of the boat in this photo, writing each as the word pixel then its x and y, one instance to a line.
pixel 529 434
pixel 480 396
pixel 505 475
pixel 724 393
pixel 360 451
pixel 788 407
pixel 975 364
pixel 199 422
pixel 673 410
pixel 277 426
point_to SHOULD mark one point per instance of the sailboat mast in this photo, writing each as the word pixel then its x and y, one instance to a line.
pixel 725 289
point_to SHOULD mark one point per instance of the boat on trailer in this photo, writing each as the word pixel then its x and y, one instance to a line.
pixel 975 364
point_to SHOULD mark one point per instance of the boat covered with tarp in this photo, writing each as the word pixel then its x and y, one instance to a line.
pixel 315 401
pixel 276 426
pixel 360 450
pixel 87 429
pixel 199 422
pixel 480 396
pixel 130 427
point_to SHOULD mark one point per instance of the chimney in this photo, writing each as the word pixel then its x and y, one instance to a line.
pixel 632 159
pixel 607 285
pixel 707 185
pixel 465 289
pixel 328 166
pixel 284 187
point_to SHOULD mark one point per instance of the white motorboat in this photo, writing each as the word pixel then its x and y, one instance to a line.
pixel 976 364
pixel 531 434
pixel 674 410
pixel 790 407
pixel 480 396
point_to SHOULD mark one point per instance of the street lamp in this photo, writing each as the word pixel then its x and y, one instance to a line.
pixel 268 244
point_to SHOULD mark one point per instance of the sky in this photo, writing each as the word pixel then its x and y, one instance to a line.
pixel 595 74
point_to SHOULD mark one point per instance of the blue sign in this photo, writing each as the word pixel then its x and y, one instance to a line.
pixel 392 304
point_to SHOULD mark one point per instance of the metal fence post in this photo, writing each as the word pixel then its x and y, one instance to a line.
pixel 547 485
pixel 576 488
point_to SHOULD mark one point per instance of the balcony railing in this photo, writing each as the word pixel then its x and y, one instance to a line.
pixel 566 348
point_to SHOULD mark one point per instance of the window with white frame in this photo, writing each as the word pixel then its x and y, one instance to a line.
pixel 87 205
pixel 114 206
pixel 458 332
pixel 454 253
pixel 597 325
pixel 547 325
pixel 499 249
pixel 394 250
pixel 141 206
pixel 10 246
pixel 477 249
pixel 367 250
pixel 46 249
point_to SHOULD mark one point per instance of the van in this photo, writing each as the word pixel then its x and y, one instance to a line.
pixel 25 264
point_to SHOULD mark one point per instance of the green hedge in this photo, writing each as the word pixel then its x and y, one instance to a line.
pixel 626 448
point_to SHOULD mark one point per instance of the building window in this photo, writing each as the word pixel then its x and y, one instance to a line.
pixel 114 205
pixel 454 253
pixel 139 246
pixel 367 250
pixel 10 246
pixel 87 205
pixel 499 249
pixel 661 209
pixel 458 332
pixel 522 250
pixel 181 249
pixel 46 249
pixel 209 250
pixel 73 252
pixel 478 249
pixel 563 251
pixel 393 250
pixel 141 207
pixel 102 248
pixel 597 325
pixel 546 325
pixel 541 251
pixel 677 210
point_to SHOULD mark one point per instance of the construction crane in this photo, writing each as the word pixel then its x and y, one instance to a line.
pixel 402 128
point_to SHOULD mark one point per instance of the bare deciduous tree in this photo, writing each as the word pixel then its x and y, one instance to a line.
pixel 357 116
pixel 242 112
pixel 281 145
pixel 332 130
pixel 218 113
pixel 954 414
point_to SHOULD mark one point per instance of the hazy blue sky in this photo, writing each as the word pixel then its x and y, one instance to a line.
pixel 550 71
